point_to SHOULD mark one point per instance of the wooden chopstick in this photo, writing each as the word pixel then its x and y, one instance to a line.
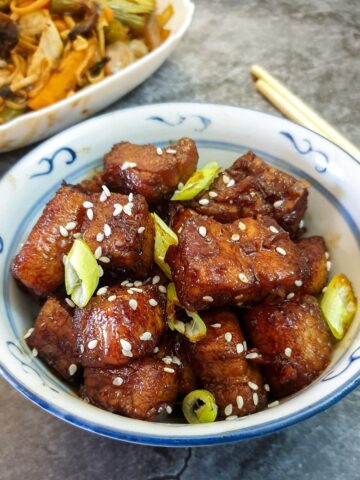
pixel 295 109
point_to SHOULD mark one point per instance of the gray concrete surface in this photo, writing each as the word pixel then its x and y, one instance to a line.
pixel 314 47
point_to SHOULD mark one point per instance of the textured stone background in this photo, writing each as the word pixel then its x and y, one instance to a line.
pixel 314 47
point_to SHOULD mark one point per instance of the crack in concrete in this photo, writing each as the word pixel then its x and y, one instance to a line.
pixel 176 476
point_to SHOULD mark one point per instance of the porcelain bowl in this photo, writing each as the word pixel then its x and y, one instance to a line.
pixel 40 124
pixel 222 133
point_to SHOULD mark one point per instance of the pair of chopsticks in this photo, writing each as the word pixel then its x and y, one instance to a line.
pixel 295 109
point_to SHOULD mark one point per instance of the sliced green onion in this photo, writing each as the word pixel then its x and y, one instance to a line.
pixel 199 181
pixel 194 330
pixel 164 237
pixel 81 273
pixel 339 305
pixel 199 406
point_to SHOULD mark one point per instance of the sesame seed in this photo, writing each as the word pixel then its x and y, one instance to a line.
pixel 133 304
pixel 239 347
pixel 207 298
pixel 70 302
pixel 101 271
pixel 204 201
pixel 70 226
pixel 92 344
pixel 235 237
pixel 156 349
pixel 245 345
pixel 107 230
pixel 167 360
pixel 125 344
pixel 98 253
pixel 77 235
pixel 29 333
pixel 252 355
pixel 129 284
pixel 243 278
pixel 81 348
pixel 102 290
pixel 169 370
pixel 328 266
pixel 176 360
pixel 273 229
pixel 253 386
pixel 153 302
pixel 171 151
pixel 131 197
pixel 242 226
pixel 118 381
pixel 138 283
pixel 168 409
pixel 88 204
pixel 213 194
pixel 72 369
pixel 228 336
pixel 162 289
pixel 228 410
pixel 138 290
pixel 127 165
pixel 146 336
pixel 103 197
pixel 112 298
pixel 141 230
pixel 155 280
pixel 34 352
pixel 225 179
pixel 301 224
pixel 231 417
pixel 216 325
pixel 327 255
pixel 231 183
pixel 180 185
pixel 288 351
pixel 118 208
pixel 63 231
pixel 127 209
pixel 267 387
pixel 100 237
pixel 159 151
pixel 104 259
pixel 281 251
pixel 90 213
pixel 124 283
pixel 278 203
pixel 298 283
pixel 127 353
pixel 106 190
pixel 130 291
pixel 239 402
pixel 274 404
pixel 324 289
pixel 202 231
pixel 255 398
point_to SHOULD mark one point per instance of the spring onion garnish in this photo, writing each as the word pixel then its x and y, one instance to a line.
pixel 199 181
pixel 81 273
pixel 164 237
pixel 199 406
pixel 193 330
pixel 338 305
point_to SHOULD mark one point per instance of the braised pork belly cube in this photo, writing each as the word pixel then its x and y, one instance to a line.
pixel 92 184
pixel 120 232
pixel 216 264
pixel 153 172
pixel 53 338
pixel 39 264
pixel 315 251
pixel 145 389
pixel 220 363
pixel 294 340
pixel 251 187
pixel 119 324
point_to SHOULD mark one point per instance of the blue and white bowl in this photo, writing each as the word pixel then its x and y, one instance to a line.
pixel 222 133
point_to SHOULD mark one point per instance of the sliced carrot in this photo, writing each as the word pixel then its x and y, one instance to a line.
pixel 109 13
pixel 165 15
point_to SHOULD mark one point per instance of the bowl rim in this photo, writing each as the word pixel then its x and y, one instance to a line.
pixel 185 440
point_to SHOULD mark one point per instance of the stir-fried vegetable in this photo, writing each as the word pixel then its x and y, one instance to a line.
pixel 199 406
pixel 338 305
pixel 115 32
pixel 194 330
pixel 199 181
pixel 81 273
pixel 49 50
pixel 132 13
pixel 164 237
pixel 9 35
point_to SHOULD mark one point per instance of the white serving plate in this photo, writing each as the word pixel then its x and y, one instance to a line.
pixel 34 126
pixel 222 133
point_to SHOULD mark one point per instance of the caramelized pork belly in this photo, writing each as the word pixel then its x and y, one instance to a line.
pixel 216 264
pixel 121 232
pixel 144 389
pixel 120 324
pixel 251 187
pixel 154 173
pixel 294 340
pixel 315 252
pixel 220 364
pixel 53 338
pixel 39 264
